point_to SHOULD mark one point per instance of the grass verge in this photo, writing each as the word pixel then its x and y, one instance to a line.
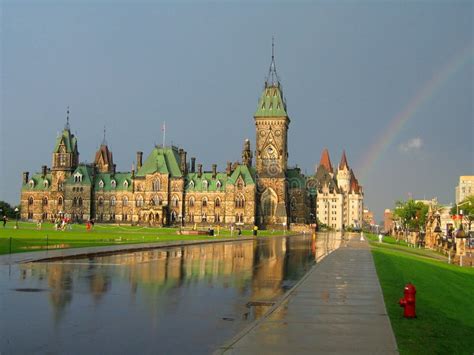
pixel 445 300
pixel 27 238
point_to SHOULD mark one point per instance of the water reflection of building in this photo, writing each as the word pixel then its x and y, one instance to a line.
pixel 256 269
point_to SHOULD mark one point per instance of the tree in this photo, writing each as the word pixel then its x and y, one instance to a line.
pixel 412 215
pixel 7 210
pixel 467 208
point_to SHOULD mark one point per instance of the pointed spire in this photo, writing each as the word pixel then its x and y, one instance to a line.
pixel 67 119
pixel 326 161
pixel 272 77
pixel 343 164
pixel 104 141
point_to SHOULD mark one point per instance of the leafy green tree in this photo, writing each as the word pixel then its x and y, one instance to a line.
pixel 412 215
pixel 467 208
pixel 7 210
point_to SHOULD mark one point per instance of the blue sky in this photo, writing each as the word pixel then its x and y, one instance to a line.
pixel 347 68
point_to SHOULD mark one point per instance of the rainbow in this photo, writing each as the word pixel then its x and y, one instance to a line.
pixel 380 145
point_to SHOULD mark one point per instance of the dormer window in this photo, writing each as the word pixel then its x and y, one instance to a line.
pixel 113 183
pixel 46 184
pixel 240 184
pixel 31 183
pixel 218 184
pixel 125 184
pixel 191 184
pixel 78 177
pixel 205 184
pixel 101 184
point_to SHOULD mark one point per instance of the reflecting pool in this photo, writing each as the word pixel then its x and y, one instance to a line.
pixel 185 299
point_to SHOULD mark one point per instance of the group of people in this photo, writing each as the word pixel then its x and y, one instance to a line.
pixel 61 224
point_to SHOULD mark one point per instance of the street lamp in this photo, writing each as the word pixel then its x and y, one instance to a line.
pixel 17 215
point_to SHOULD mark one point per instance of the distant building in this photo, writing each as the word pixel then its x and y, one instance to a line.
pixel 388 220
pixel 465 188
pixel 339 198
pixel 368 218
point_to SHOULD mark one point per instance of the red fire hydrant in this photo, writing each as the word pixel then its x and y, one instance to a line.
pixel 409 301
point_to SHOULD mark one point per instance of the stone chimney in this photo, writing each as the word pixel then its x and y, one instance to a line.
pixel 26 174
pixel 139 160
pixel 44 170
pixel 199 170
pixel 115 168
pixel 214 171
pixel 193 164
pixel 182 157
pixel 228 169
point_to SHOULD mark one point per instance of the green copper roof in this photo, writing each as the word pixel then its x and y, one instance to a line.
pixel 108 179
pixel 271 103
pixel 161 160
pixel 195 183
pixel 248 174
pixel 296 180
pixel 85 171
pixel 38 183
pixel 69 141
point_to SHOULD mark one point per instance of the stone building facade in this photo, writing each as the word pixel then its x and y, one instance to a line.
pixel 168 188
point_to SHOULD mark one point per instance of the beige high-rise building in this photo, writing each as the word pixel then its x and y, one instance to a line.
pixel 465 187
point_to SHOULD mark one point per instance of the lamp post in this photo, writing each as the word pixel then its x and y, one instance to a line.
pixel 17 216
pixel 460 234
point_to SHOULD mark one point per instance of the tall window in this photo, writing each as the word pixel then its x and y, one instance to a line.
pixel 204 202
pixel 45 201
pixel 139 201
pixel 60 201
pixel 74 201
pixel 79 201
pixel 156 185
pixel 101 201
pixel 191 202
pixel 125 201
pixel 30 200
pixel 239 202
pixel 112 201
pixel 217 203
pixel 175 201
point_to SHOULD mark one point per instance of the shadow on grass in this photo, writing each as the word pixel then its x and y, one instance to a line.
pixel 445 303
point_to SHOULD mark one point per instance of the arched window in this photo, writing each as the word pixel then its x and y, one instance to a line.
pixel 79 201
pixel 113 183
pixel 218 184
pixel 239 202
pixel 191 184
pixel 46 184
pixel 191 201
pixel 101 184
pixel 139 201
pixel 156 200
pixel 240 184
pixel 30 200
pixel 204 202
pixel 205 185
pixel 112 201
pixel 74 201
pixel 217 218
pixel 60 201
pixel 101 201
pixel 125 184
pixel 175 201
pixel 45 201
pixel 125 201
pixel 31 183
pixel 217 203
pixel 156 185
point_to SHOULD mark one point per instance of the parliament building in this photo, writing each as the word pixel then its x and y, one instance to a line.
pixel 167 188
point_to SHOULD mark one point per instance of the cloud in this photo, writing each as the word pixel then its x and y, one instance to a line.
pixel 411 145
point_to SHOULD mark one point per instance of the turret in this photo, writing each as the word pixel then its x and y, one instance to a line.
pixel 247 154
pixel 65 153
pixel 344 174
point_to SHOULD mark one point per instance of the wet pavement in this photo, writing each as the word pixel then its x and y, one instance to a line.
pixel 187 299
pixel 336 308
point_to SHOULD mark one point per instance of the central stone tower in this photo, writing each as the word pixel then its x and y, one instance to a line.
pixel 272 121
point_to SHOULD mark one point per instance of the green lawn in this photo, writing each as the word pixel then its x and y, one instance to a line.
pixel 445 300
pixel 27 238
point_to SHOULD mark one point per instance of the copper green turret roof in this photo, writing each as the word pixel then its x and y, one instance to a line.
pixel 161 160
pixel 271 103
pixel 69 140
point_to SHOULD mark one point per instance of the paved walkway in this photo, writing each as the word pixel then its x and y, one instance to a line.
pixel 337 307
pixel 103 250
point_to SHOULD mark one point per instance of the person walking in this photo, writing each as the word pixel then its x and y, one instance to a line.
pixel 255 230
pixel 5 219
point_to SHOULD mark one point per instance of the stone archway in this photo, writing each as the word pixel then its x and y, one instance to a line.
pixel 268 204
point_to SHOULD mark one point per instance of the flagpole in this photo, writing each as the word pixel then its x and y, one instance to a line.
pixel 164 133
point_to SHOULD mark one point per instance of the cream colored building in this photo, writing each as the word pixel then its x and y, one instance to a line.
pixel 465 187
